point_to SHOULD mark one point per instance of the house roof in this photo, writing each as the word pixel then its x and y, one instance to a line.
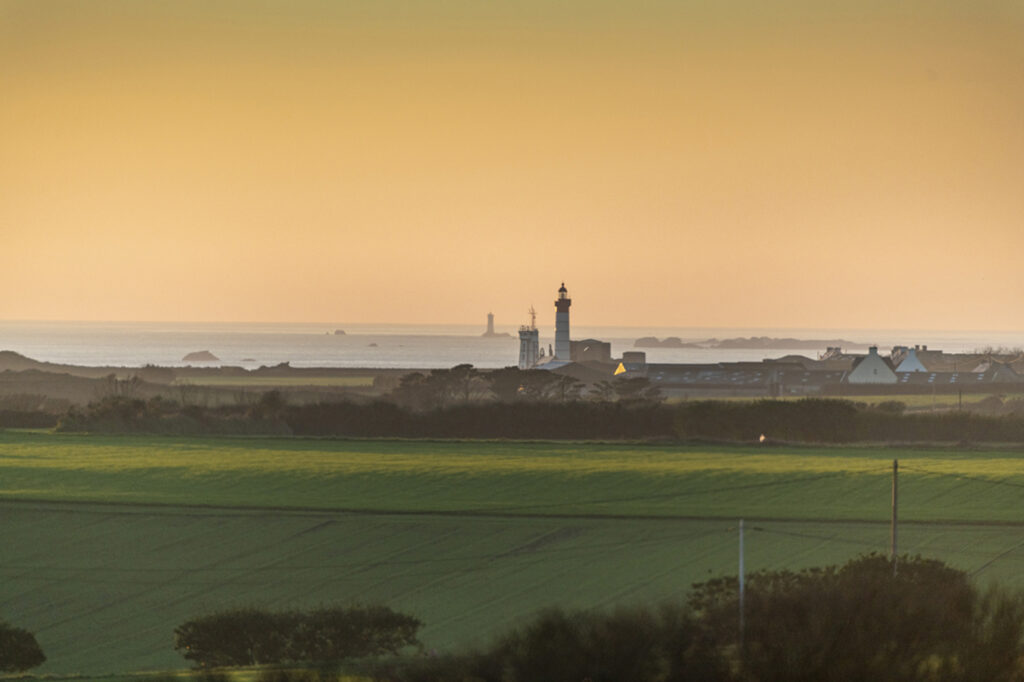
pixel 738 374
pixel 587 372
pixel 862 358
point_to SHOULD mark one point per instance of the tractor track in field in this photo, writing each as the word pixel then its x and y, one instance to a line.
pixel 212 510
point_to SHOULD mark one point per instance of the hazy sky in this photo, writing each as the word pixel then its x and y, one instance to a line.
pixel 716 163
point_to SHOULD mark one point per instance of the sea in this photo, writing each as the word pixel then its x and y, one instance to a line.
pixel 251 345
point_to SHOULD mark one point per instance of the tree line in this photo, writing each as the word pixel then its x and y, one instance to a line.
pixel 809 420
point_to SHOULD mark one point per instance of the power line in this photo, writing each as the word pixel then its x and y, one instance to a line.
pixel 964 477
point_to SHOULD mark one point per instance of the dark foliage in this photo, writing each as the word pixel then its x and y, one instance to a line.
pixel 255 637
pixel 545 407
pixel 861 622
pixel 838 421
pixel 858 621
pixel 520 420
pixel 639 645
pixel 123 414
pixel 18 649
pixel 23 419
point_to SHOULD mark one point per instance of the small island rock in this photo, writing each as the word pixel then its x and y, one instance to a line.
pixel 201 356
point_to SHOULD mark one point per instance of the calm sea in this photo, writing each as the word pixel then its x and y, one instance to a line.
pixel 134 344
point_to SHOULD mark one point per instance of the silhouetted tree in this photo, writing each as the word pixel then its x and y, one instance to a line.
pixel 602 391
pixel 861 622
pixel 566 388
pixel 465 383
pixel 636 389
pixel 506 383
pixel 538 385
pixel 413 392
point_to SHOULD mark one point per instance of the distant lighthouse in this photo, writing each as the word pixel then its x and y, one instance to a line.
pixel 562 345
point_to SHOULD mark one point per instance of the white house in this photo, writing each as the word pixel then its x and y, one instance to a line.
pixel 871 369
pixel 911 363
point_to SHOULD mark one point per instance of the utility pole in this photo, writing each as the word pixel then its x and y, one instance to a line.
pixel 743 611
pixel 895 504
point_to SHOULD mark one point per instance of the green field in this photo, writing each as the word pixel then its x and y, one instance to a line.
pixel 109 542
pixel 514 478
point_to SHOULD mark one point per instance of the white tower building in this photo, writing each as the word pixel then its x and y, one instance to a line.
pixel 563 349
pixel 529 343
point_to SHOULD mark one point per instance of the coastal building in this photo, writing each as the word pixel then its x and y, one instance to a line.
pixel 590 350
pixel 872 369
pixel 768 377
pixel 910 362
pixel 529 343
pixel 563 347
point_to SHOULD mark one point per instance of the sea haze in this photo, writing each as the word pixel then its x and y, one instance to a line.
pixel 250 345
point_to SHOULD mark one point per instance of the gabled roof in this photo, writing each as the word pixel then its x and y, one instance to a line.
pixel 911 363
pixel 862 358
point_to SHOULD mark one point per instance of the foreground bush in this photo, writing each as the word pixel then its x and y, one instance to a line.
pixel 636 644
pixel 18 649
pixel 852 622
pixel 247 637
pixel 861 622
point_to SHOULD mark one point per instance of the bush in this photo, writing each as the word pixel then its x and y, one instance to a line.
pixel 858 621
pixel 861 622
pixel 18 649
pixel 638 645
pixel 254 637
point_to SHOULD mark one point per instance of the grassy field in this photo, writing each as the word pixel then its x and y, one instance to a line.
pixel 472 537
pixel 514 478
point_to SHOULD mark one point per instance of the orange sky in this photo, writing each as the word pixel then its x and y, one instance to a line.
pixel 738 163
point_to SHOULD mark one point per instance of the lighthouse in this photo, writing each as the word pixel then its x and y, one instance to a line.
pixel 562 345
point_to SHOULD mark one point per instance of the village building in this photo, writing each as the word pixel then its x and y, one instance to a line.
pixel 872 369
pixel 910 362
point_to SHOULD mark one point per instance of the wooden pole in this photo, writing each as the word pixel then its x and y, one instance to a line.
pixel 895 505
pixel 743 615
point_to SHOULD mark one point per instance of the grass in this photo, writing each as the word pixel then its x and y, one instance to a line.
pixel 514 478
pixel 472 537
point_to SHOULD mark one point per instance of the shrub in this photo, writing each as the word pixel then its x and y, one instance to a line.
pixel 18 649
pixel 638 645
pixel 254 637
pixel 861 622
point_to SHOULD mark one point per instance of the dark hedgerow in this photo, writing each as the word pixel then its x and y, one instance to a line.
pixel 244 637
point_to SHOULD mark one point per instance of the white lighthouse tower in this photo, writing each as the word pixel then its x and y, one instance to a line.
pixel 563 349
